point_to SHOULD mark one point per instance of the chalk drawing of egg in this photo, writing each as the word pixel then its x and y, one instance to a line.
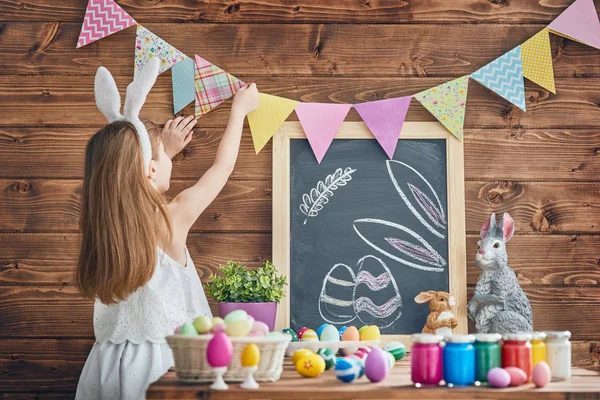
pixel 336 304
pixel 419 196
pixel 377 300
pixel 399 243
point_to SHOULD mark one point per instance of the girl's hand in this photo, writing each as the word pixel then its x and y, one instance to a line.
pixel 246 99
pixel 177 134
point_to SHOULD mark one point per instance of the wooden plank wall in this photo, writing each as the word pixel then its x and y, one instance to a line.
pixel 542 166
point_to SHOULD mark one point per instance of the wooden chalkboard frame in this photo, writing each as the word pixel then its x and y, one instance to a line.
pixel 457 268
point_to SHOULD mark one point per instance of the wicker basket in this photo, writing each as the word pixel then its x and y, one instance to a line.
pixel 191 365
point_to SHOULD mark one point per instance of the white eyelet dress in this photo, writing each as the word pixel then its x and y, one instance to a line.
pixel 130 350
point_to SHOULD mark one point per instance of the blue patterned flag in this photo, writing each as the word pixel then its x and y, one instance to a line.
pixel 504 76
pixel 184 89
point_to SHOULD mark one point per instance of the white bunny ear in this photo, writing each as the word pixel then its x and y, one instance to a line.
pixel 139 88
pixel 107 95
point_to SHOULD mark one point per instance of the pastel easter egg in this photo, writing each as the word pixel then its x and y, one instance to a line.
pixel 374 280
pixel 350 334
pixel 298 354
pixel 342 330
pixel 320 330
pixel 541 374
pixel 330 334
pixel 219 327
pixel 377 365
pixel 251 318
pixel 310 366
pixel 361 361
pixel 370 333
pixel 250 355
pixel 336 298
pixel 391 359
pixel 347 369
pixel 177 330
pixel 397 349
pixel 203 324
pixel 188 329
pixel 292 333
pixel 274 334
pixel 236 315
pixel 362 328
pixel 517 376
pixel 219 350
pixel 259 328
pixel 328 356
pixel 309 336
pixel 498 378
pixel 360 356
pixel 301 332
pixel 238 328
pixel 217 320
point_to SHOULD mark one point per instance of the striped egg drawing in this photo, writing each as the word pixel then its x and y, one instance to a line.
pixel 420 198
pixel 336 303
pixel 399 243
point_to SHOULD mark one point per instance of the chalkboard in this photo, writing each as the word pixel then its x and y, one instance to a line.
pixel 367 234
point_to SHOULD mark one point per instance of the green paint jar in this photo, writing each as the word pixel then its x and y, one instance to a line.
pixel 487 354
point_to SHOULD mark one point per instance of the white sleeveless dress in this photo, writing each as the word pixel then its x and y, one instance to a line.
pixel 130 350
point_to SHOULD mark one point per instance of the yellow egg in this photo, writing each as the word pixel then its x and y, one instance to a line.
pixel 238 328
pixel 370 333
pixel 298 354
pixel 350 334
pixel 250 355
pixel 309 336
pixel 310 366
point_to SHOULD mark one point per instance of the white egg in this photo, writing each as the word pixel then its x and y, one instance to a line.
pixel 336 298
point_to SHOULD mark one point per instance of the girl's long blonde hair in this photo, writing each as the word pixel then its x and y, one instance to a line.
pixel 123 218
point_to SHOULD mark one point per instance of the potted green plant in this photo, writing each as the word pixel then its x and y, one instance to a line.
pixel 256 291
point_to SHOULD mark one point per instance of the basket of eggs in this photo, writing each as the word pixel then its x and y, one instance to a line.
pixel 234 343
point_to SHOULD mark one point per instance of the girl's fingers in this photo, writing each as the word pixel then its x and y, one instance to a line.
pixel 190 125
pixel 188 138
pixel 167 125
pixel 176 122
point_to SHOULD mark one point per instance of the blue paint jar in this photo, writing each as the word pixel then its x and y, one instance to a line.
pixel 459 360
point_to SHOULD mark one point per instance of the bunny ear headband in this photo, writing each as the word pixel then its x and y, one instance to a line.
pixel 108 101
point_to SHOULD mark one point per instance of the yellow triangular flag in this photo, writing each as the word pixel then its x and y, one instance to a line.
pixel 272 111
pixel 537 60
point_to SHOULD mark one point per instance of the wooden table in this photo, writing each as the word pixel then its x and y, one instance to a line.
pixel 584 384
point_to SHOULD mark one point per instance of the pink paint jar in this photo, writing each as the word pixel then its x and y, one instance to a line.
pixel 426 359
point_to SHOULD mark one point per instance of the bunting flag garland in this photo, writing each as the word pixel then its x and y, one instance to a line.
pixel 148 45
pixel 272 111
pixel 184 89
pixel 504 76
pixel 102 18
pixel 321 122
pixel 579 22
pixel 385 119
pixel 536 56
pixel 213 86
pixel 447 102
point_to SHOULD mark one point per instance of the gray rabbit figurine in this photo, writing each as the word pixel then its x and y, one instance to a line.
pixel 499 305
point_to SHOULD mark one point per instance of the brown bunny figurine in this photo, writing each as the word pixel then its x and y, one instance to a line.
pixel 440 319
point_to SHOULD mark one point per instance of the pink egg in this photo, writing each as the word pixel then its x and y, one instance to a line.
pixel 376 365
pixel 517 376
pixel 177 330
pixel 541 374
pixel 251 318
pixel 219 350
pixel 259 329
pixel 499 378
pixel 301 332
pixel 218 328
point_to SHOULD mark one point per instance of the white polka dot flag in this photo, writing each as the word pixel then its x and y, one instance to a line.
pixel 102 18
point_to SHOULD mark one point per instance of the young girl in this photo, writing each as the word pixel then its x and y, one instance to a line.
pixel 133 259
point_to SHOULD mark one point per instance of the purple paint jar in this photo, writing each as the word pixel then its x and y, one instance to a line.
pixel 426 359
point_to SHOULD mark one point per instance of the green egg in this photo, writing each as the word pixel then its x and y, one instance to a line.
pixel 328 356
pixel 188 329
pixel 236 315
pixel 397 349
pixel 292 333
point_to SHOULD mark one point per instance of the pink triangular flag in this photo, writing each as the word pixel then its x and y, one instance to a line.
pixel 102 18
pixel 580 22
pixel 321 122
pixel 385 118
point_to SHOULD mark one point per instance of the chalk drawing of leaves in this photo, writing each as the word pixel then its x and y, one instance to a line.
pixel 318 196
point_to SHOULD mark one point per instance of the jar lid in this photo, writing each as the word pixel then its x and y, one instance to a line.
pixel 518 336
pixel 488 337
pixel 460 338
pixel 426 338
pixel 557 334
pixel 538 336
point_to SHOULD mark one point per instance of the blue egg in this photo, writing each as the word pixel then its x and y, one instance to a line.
pixel 341 331
pixel 347 369
pixel 321 330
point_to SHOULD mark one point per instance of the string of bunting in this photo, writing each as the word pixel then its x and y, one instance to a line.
pixel 196 79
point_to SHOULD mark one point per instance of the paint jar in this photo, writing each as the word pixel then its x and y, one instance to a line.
pixel 516 351
pixel 558 354
pixel 459 360
pixel 426 359
pixel 488 352
pixel 538 348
